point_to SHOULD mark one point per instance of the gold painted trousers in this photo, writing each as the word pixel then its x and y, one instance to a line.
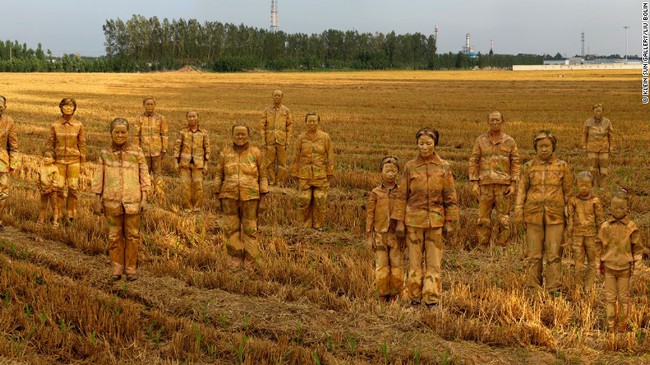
pixel 192 185
pixel 544 240
pixel 276 156
pixel 240 227
pixel 123 241
pixel 585 247
pixel 492 197
pixel 312 201
pixel 389 269
pixel 426 244
pixel 69 183
pixel 617 288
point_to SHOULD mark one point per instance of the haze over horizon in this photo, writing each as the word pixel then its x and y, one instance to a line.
pixel 539 27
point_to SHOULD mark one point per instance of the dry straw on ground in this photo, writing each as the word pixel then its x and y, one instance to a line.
pixel 311 297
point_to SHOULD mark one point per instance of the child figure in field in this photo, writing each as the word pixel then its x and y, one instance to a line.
pixel 389 273
pixel 48 179
pixel 585 216
pixel 617 240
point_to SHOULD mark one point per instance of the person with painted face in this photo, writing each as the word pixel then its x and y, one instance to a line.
pixel 584 218
pixel 191 156
pixel 545 186
pixel 313 167
pixel 493 172
pixel 276 138
pixel 8 154
pixel 598 141
pixel 68 141
pixel 380 228
pixel 426 204
pixel 122 184
pixel 152 135
pixel 240 185
pixel 618 240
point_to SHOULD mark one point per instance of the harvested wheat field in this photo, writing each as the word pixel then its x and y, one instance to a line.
pixel 312 301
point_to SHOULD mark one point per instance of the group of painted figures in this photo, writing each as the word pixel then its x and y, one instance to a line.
pixel 422 206
pixel 419 208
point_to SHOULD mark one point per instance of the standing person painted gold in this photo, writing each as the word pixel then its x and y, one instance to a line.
pixel 493 172
pixel 48 180
pixel 427 202
pixel 598 141
pixel 68 141
pixel 545 186
pixel 380 228
pixel 8 154
pixel 122 183
pixel 584 218
pixel 276 138
pixel 152 135
pixel 313 166
pixel 617 240
pixel 191 155
pixel 241 184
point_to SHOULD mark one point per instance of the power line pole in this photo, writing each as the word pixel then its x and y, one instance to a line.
pixel 626 27
pixel 275 21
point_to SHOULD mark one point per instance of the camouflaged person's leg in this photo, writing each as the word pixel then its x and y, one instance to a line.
pixel 281 154
pixel 534 254
pixel 396 264
pixel 271 158
pixel 4 194
pixel 42 213
pixel 197 188
pixel 486 202
pixel 617 286
pixel 250 245
pixel 116 244
pixel 603 168
pixel 594 166
pixel 321 188
pixel 579 253
pixel 623 299
pixel 502 205
pixel 186 186
pixel 415 246
pixel 382 265
pixel 69 188
pixel 432 287
pixel 305 201
pixel 231 228
pixel 123 239
pixel 155 170
pixel 389 271
pixel 132 241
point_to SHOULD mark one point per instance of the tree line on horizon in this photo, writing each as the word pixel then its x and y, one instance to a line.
pixel 148 44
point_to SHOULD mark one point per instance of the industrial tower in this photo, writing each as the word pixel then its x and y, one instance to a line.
pixel 275 21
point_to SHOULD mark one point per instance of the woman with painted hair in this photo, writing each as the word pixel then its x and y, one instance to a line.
pixel 426 203
pixel 122 183
pixel 545 187
pixel 68 141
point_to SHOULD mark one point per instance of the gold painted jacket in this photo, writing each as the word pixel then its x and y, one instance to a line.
pixel 121 179
pixel 494 162
pixel 427 194
pixel 381 204
pixel 192 147
pixel 241 175
pixel 68 140
pixel 313 156
pixel 544 189
pixel 152 134
pixel 617 241
pixel 585 216
pixel 598 136
pixel 276 126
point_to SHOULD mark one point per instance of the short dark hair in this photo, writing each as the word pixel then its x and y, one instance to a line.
pixel 240 124
pixel 622 194
pixel 584 175
pixel 117 121
pixel 428 131
pixel 48 151
pixel 598 105
pixel 66 101
pixel 191 111
pixel 310 114
pixel 503 117
pixel 148 98
pixel 543 134
pixel 389 159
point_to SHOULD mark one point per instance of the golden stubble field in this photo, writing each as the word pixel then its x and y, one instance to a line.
pixel 312 301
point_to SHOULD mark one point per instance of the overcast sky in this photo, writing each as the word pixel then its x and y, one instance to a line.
pixel 514 26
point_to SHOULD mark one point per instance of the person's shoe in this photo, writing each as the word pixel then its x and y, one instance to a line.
pixel 116 277
pixel 431 305
pixel 234 263
pixel 319 229
pixel 392 298
pixel 556 294
pixel 415 304
pixel 133 277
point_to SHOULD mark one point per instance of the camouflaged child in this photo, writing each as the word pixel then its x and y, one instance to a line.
pixel 191 156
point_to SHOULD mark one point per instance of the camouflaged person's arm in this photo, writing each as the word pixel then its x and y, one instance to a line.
pixel 262 179
pixel 81 143
pixel 515 164
pixel 585 134
pixel 449 196
pixel 599 213
pixel 474 161
pixel 51 141
pixel 522 190
pixel 206 148
pixel 178 147
pixel 12 147
pixel 145 178
pixel 289 128
pixel 98 176
pixel 370 211
pixel 329 150
pixel 218 174
pixel 264 123
pixel 610 136
pixel 567 183
pixel 295 162
pixel 164 134
pixel 570 219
